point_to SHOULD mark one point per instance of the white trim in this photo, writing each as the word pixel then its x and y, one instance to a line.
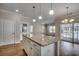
pixel 9 12
pixel 9 43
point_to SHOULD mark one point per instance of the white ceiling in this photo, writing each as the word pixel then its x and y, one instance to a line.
pixel 26 9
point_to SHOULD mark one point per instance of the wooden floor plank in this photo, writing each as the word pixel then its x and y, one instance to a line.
pixel 12 50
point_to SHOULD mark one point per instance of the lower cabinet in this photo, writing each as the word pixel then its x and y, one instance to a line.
pixel 34 49
pixel 48 50
pixel 31 48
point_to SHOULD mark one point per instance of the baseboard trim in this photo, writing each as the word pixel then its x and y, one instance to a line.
pixel 9 44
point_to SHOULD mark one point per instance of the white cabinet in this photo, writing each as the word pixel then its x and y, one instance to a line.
pixel 48 50
pixel 31 48
pixel 34 49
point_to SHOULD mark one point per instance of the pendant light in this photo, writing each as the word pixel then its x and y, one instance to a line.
pixel 34 20
pixel 71 20
pixel 40 17
pixel 51 12
pixel 67 19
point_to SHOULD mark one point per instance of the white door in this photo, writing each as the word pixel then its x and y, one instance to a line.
pixel 1 32
pixel 7 32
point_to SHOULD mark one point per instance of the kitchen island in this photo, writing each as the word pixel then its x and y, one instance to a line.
pixel 39 45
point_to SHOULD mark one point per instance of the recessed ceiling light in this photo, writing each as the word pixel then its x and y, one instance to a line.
pixel 40 17
pixel 51 12
pixel 34 20
pixel 17 10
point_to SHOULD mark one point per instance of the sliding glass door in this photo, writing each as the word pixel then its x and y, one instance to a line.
pixel 69 35
pixel 76 32
pixel 70 32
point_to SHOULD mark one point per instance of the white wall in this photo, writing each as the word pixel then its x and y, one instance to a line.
pixel 38 28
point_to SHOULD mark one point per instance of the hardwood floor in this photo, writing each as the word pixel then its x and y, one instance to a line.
pixel 12 50
pixel 69 49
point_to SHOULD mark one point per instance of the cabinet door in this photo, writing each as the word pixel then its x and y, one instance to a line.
pixel 27 46
pixel 48 50
pixel 36 49
pixel 31 48
pixel 35 52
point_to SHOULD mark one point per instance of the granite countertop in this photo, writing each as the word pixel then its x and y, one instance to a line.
pixel 42 39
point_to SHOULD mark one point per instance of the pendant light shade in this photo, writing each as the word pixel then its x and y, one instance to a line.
pixel 62 21
pixel 66 20
pixel 71 20
pixel 51 12
pixel 34 20
pixel 40 17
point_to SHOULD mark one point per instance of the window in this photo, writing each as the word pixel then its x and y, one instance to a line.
pixel 70 32
pixel 24 28
pixel 51 29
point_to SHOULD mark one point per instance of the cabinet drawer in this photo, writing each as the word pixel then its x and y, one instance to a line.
pixel 27 46
pixel 31 47
pixel 36 52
